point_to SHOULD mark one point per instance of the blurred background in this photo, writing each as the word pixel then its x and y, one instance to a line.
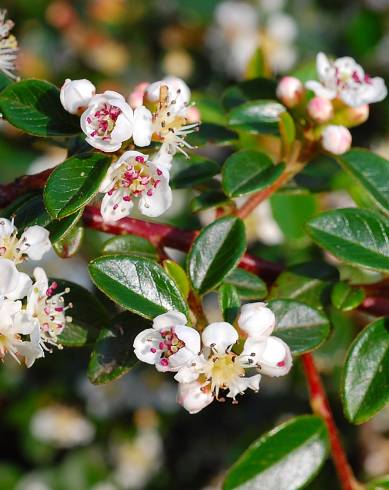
pixel 58 431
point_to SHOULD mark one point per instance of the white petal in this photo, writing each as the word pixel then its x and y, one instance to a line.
pixel 256 320
pixel 30 351
pixel 114 207
pixel 24 323
pixel 168 320
pixel 192 397
pixel 76 94
pixel 240 385
pixel 323 66
pixel 8 309
pixel 187 374
pixel 144 342
pixel 142 126
pixel 159 201
pixel 163 160
pixel 122 130
pixel 272 355
pixel 35 242
pixel 190 337
pixel 320 90
pixel 180 359
pixel 6 227
pixel 219 336
pixel 102 145
pixel 13 284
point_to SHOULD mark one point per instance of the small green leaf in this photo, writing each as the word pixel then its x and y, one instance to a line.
pixel 286 458
pixel 138 284
pixel 247 284
pixel 260 116
pixel 292 210
pixel 229 302
pixel 60 228
pixel 88 316
pixel 69 244
pixel 4 81
pixel 113 354
pixel 74 183
pixel 210 133
pixel 365 386
pixel 346 298
pixel 215 252
pixel 287 129
pixel 193 171
pixel 302 327
pixel 371 171
pixel 357 236
pixel 32 212
pixel 207 200
pixel 178 274
pixel 34 107
pixel 381 483
pixel 257 88
pixel 130 244
pixel 249 171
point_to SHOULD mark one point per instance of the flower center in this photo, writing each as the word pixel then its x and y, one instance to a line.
pixel 11 248
pixel 224 370
pixel 168 345
pixel 103 121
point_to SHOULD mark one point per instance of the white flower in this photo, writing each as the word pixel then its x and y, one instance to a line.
pixel 13 284
pixel 256 320
pixel 178 91
pixel 8 46
pixel 336 139
pixel 271 355
pixel 109 120
pixel 131 177
pixel 76 94
pixel 345 79
pixel 193 397
pixel 170 344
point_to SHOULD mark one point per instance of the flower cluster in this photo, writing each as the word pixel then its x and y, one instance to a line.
pixel 341 100
pixel 215 363
pixel 8 46
pixel 108 121
pixel 27 327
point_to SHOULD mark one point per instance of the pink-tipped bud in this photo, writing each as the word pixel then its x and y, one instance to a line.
pixel 353 116
pixel 320 110
pixel 135 99
pixel 76 94
pixel 336 139
pixel 290 91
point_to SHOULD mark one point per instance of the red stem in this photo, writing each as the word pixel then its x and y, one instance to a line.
pixel 321 407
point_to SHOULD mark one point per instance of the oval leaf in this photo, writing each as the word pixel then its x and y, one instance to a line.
pixel 257 88
pixel 260 116
pixel 211 133
pixel 138 284
pixel 286 458
pixel 130 244
pixel 34 107
pixel 249 171
pixel 302 327
pixel 365 385
pixel 247 284
pixel 60 228
pixel 215 252
pixel 357 236
pixel 177 273
pixel 229 302
pixel 192 172
pixel 345 297
pixel 74 183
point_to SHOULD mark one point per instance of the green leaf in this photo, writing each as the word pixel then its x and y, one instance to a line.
pixel 287 129
pixel 192 172
pixel 286 458
pixel 208 199
pixel 32 212
pixel 130 244
pixel 257 88
pixel 211 133
pixel 215 252
pixel 371 171
pixel 247 284
pixel 178 274
pixel 138 284
pixel 74 183
pixel 69 244
pixel 365 385
pixel 60 228
pixel 113 354
pixel 357 236
pixel 302 327
pixel 249 171
pixel 229 302
pixel 88 316
pixel 381 483
pixel 34 107
pixel 346 298
pixel 4 81
pixel 259 116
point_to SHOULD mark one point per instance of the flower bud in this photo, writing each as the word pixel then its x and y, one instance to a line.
pixel 320 109
pixel 352 116
pixel 290 91
pixel 336 139
pixel 76 94
pixel 256 320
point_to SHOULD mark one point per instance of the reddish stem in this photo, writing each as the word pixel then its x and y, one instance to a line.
pixel 320 406
pixel 26 183
pixel 375 305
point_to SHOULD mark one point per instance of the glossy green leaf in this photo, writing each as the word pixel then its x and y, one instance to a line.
pixel 60 228
pixel 34 107
pixel 88 315
pixel 113 354
pixel 292 210
pixel 345 297
pixel 74 183
pixel 215 252
pixel 287 129
pixel 249 171
pixel 5 81
pixel 70 243
pixel 247 284
pixel 178 274
pixel 256 88
pixel 229 302
pixel 371 171
pixel 357 236
pixel 379 484
pixel 193 171
pixel 365 386
pixel 259 116
pixel 211 133
pixel 302 327
pixel 130 244
pixel 32 212
pixel 208 199
pixel 286 458
pixel 138 284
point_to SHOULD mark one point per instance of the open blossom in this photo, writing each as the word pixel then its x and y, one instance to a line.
pixel 108 121
pixel 170 344
pixel 8 46
pixel 346 80
pixel 76 94
pixel 135 178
